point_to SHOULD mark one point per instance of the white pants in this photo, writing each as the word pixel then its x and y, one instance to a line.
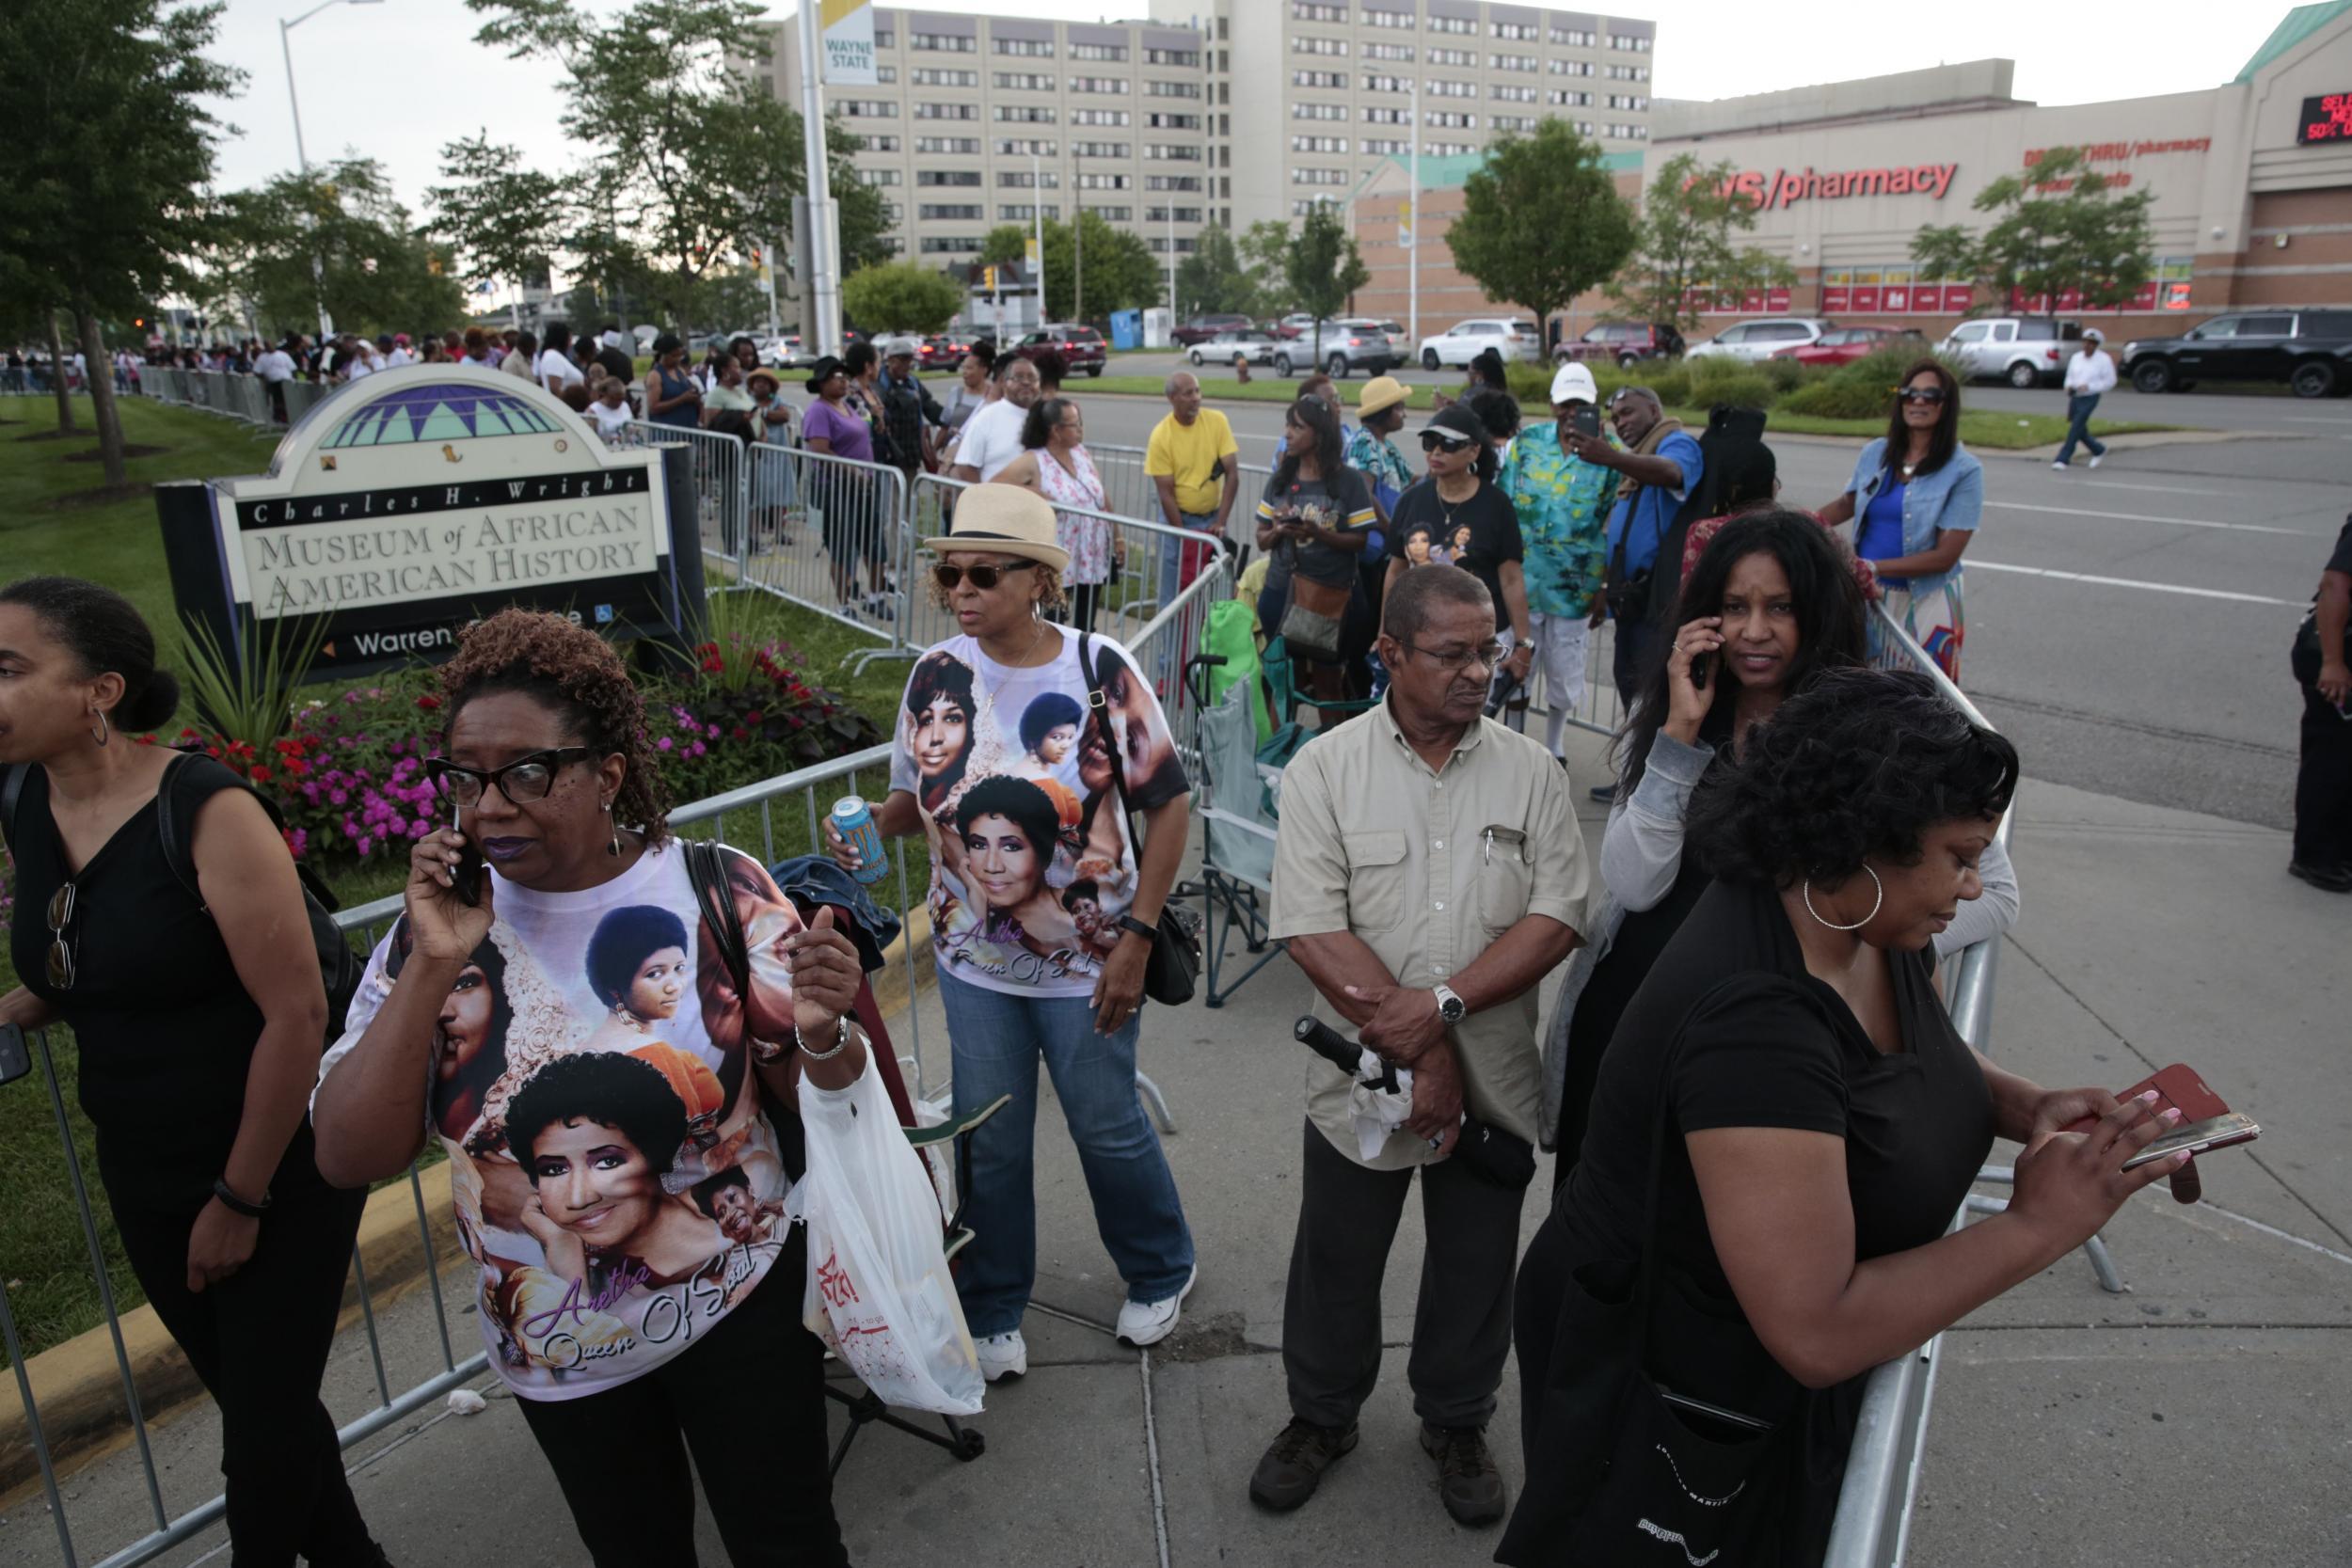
pixel 1560 642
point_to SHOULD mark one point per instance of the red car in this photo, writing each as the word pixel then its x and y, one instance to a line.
pixel 944 352
pixel 1845 344
pixel 1080 346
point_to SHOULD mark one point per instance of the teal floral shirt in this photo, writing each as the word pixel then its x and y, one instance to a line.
pixel 1376 458
pixel 1564 520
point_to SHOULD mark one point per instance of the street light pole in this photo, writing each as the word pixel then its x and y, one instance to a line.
pixel 823 301
pixel 1037 222
pixel 285 47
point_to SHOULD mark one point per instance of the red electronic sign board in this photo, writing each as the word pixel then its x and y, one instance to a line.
pixel 2325 119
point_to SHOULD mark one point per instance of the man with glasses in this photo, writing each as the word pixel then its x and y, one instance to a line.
pixel 1429 872
pixel 1660 465
pixel 991 438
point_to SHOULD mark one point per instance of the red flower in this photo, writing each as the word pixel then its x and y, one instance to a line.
pixel 740 733
pixel 261 775
pixel 754 716
pixel 428 702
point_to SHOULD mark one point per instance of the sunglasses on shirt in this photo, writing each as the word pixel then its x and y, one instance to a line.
pixel 1921 394
pixel 1437 441
pixel 983 577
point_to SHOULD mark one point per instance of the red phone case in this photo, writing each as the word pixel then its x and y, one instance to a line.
pixel 2175 1086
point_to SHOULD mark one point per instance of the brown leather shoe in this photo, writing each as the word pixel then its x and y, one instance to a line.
pixel 1294 1466
pixel 1469 1481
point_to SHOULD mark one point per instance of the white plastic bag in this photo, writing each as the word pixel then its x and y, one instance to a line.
pixel 879 1291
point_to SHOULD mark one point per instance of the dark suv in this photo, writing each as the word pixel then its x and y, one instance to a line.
pixel 1201 328
pixel 1623 343
pixel 2308 350
pixel 1080 347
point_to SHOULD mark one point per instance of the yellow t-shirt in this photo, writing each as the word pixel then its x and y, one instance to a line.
pixel 1187 454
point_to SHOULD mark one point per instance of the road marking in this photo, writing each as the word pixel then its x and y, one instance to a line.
pixel 2144 517
pixel 2131 583
pixel 2165 489
pixel 2311 419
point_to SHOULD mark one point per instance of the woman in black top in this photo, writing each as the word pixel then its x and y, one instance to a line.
pixel 1823 1119
pixel 1314 521
pixel 199 1024
pixel 1459 491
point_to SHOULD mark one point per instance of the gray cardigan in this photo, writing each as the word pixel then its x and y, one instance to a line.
pixel 1641 854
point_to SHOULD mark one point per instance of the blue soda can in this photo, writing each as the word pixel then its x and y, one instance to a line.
pixel 856 824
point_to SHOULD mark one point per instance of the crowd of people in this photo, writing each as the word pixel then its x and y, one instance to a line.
pixel 1759 1115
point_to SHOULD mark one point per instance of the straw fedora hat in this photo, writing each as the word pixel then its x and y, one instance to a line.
pixel 1003 519
pixel 1380 392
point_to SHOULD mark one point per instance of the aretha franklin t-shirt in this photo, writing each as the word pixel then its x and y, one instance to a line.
pixel 1031 863
pixel 616 1179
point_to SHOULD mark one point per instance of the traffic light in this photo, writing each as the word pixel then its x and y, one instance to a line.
pixel 988 279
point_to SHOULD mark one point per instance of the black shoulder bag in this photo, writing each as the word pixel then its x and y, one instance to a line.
pixel 1170 973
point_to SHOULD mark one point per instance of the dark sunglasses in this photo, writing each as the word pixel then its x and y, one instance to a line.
pixel 1921 394
pixel 523 781
pixel 983 577
pixel 1435 441
pixel 61 956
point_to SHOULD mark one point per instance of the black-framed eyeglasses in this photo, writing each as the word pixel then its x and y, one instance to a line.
pixel 1435 441
pixel 1488 653
pixel 983 576
pixel 1921 394
pixel 61 967
pixel 523 781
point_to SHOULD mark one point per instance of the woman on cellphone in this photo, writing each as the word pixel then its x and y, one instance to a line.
pixel 1790 1087
pixel 199 1024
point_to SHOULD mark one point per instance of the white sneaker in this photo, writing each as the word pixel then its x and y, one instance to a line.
pixel 1003 1355
pixel 2059 467
pixel 1146 1323
pixel 2095 461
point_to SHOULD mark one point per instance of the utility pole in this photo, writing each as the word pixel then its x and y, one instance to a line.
pixel 822 296
pixel 285 46
pixel 1412 230
pixel 1079 262
pixel 1037 221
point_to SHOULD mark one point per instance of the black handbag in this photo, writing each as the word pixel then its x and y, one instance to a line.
pixel 1174 966
pixel 1666 1479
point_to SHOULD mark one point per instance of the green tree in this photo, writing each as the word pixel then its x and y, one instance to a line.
pixel 373 272
pixel 1322 267
pixel 1542 221
pixel 500 219
pixel 1265 248
pixel 1215 279
pixel 2056 228
pixel 1007 241
pixel 902 296
pixel 103 108
pixel 1096 269
pixel 1689 211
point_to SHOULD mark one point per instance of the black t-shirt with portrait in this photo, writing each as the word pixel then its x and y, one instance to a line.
pixel 1494 533
pixel 1731 1028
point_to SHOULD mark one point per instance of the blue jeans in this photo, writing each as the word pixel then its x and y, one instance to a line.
pixel 996 1039
pixel 1171 554
pixel 2078 409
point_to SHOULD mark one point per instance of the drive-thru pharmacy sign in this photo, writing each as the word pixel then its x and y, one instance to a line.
pixel 414 502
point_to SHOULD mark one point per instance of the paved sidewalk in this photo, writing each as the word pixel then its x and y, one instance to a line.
pixel 2176 1423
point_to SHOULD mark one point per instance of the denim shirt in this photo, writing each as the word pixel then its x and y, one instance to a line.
pixel 1950 499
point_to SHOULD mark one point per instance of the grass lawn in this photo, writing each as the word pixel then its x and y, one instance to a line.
pixel 1983 428
pixel 45 1259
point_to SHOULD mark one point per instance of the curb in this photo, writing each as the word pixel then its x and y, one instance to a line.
pixel 78 1388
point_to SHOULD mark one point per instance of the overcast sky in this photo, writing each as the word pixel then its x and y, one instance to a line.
pixel 396 79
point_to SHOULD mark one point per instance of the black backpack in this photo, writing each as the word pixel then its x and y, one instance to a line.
pixel 339 966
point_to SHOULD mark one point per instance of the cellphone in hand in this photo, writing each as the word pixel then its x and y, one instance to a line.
pixel 15 1061
pixel 1585 423
pixel 2206 1122
pixel 465 876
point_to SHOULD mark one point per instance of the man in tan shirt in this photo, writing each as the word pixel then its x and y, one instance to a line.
pixel 1429 872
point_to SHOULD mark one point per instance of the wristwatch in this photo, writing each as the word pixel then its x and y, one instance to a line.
pixel 1143 928
pixel 1451 1007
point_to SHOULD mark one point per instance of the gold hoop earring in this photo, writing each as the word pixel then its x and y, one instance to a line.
pixel 104 731
pixel 614 847
pixel 1876 904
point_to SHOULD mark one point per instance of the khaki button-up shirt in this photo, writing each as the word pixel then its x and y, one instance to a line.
pixel 1428 867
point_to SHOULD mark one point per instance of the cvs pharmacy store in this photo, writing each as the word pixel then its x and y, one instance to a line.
pixel 2252 182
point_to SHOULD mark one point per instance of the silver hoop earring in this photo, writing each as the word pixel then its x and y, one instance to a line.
pixel 614 848
pixel 1876 904
pixel 104 731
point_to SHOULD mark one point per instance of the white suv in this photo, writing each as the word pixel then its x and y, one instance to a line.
pixel 2024 351
pixel 1757 341
pixel 1465 340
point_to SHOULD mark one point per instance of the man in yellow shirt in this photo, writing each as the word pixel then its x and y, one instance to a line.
pixel 1192 462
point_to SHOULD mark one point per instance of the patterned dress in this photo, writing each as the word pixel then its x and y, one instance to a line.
pixel 1086 539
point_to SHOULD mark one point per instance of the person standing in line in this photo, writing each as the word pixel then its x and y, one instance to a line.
pixel 910 413
pixel 275 367
pixel 1558 498
pixel 992 436
pixel 843 497
pixel 2089 373
pixel 2323 779
pixel 554 369
pixel 1658 464
pixel 1057 466
pixel 1380 414
pixel 1429 875
pixel 1195 465
pixel 967 397
pixel 1459 497
pixel 672 396
pixel 522 357
pixel 199 1025
pixel 1315 523
pixel 1919 496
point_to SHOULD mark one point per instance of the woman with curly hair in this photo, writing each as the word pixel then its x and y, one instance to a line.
pixel 1786 1122
pixel 546 763
pixel 1018 983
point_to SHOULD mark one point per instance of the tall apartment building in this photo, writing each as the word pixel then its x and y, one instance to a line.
pixel 1311 96
pixel 1212 111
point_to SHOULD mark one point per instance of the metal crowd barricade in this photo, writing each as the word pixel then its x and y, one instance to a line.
pixel 719 470
pixel 780 816
pixel 830 534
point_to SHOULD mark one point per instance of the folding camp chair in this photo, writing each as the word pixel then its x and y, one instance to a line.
pixel 1286 696
pixel 1237 826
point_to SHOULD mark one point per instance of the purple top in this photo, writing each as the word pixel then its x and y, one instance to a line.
pixel 849 434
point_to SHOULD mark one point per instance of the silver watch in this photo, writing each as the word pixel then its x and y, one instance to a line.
pixel 1451 1007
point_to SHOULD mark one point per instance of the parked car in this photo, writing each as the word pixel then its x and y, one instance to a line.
pixel 1466 340
pixel 1624 343
pixel 2308 350
pixel 2024 351
pixel 1199 329
pixel 786 353
pixel 1756 341
pixel 1849 344
pixel 1253 343
pixel 1080 346
pixel 1350 343
pixel 1294 323
pixel 943 351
